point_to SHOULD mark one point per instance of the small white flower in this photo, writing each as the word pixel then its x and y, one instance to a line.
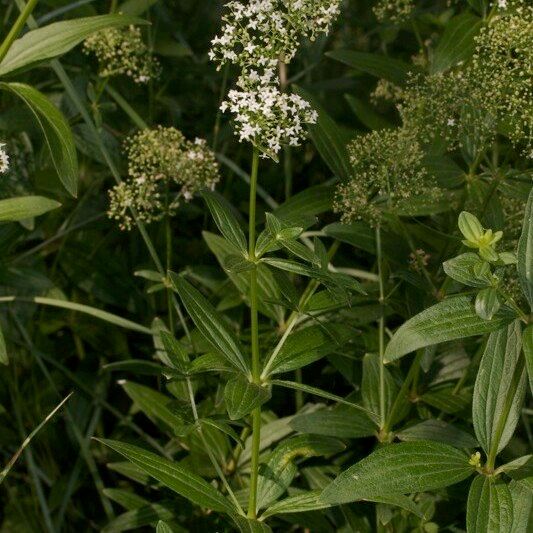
pixel 451 122
pixel 4 159
pixel 502 4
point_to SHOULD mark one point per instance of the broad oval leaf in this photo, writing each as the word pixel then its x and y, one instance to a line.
pixel 490 506
pixel 439 431
pixel 242 397
pixel 57 39
pixel 22 207
pixel 56 130
pixel 174 476
pixel 400 469
pixel 451 319
pixel 461 269
pixel 209 323
pixel 499 389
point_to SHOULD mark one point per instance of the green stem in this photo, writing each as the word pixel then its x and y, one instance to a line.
pixel 16 28
pixel 382 413
pixel 256 363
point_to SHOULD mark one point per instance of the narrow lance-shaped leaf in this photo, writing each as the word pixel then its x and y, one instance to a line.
pixel 242 397
pixel 209 323
pixel 400 469
pixel 489 507
pixel 174 476
pixel 3 348
pixel 226 221
pixel 56 39
pixel 528 353
pixel 56 132
pixel 143 516
pixel 499 389
pixel 525 252
pixel 451 319
pixel 22 207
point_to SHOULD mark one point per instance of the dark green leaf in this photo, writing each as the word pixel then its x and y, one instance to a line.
pixel 400 469
pixel 143 516
pixel 23 207
pixel 461 269
pixel 527 341
pixel 174 476
pixel 490 506
pixel 487 303
pixel 453 318
pixel 525 252
pixel 439 431
pixel 242 397
pixel 307 501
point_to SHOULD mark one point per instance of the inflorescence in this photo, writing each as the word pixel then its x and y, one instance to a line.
pixel 387 170
pixel 4 159
pixel 393 10
pixel 164 169
pixel 122 51
pixel 256 36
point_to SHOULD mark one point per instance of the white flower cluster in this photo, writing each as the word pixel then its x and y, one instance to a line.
pixel 256 36
pixel 269 118
pixel 261 30
pixel 4 159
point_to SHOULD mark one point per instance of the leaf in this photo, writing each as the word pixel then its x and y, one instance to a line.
pixel 328 139
pixel 154 405
pixel 522 505
pixel 209 323
pixel 318 392
pixel 343 423
pixel 490 506
pixel 366 115
pixel 399 469
pixel 451 319
pixel 308 501
pixel 125 498
pixel 242 397
pixel 225 219
pixel 439 431
pixel 376 65
pixel 136 366
pixel 175 352
pixel 461 269
pixel 525 252
pixel 308 345
pixel 399 500
pixel 23 207
pixel 56 130
pixel 136 7
pixel 370 385
pixel 487 303
pixel 174 476
pixel 143 516
pixel 457 42
pixel 57 39
pixel 527 342
pixel 4 359
pixel 249 525
pixel 163 527
pixel 277 473
pixel 499 389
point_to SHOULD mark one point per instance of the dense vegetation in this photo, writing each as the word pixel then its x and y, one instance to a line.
pixel 266 265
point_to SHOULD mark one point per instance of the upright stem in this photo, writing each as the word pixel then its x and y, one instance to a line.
pixel 256 363
pixel 383 414
pixel 16 28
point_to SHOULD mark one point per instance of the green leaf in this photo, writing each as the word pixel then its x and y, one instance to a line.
pixel 457 42
pixel 174 476
pixel 367 116
pixel 461 269
pixel 175 352
pixel 490 506
pixel 329 139
pixel 136 7
pixel 439 431
pixel 370 385
pixel 277 473
pixel 499 389
pixel 343 423
pixel 525 252
pixel 307 501
pixel 242 397
pixel 319 392
pixel 136 366
pixel 522 505
pixel 154 405
pixel 209 323
pixel 225 219
pixel 308 345
pixel 23 207
pixel 527 342
pixel 451 319
pixel 3 348
pixel 249 525
pixel 56 130
pixel 56 39
pixel 376 65
pixel 487 303
pixel 400 469
pixel 125 498
pixel 163 527
pixel 143 516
